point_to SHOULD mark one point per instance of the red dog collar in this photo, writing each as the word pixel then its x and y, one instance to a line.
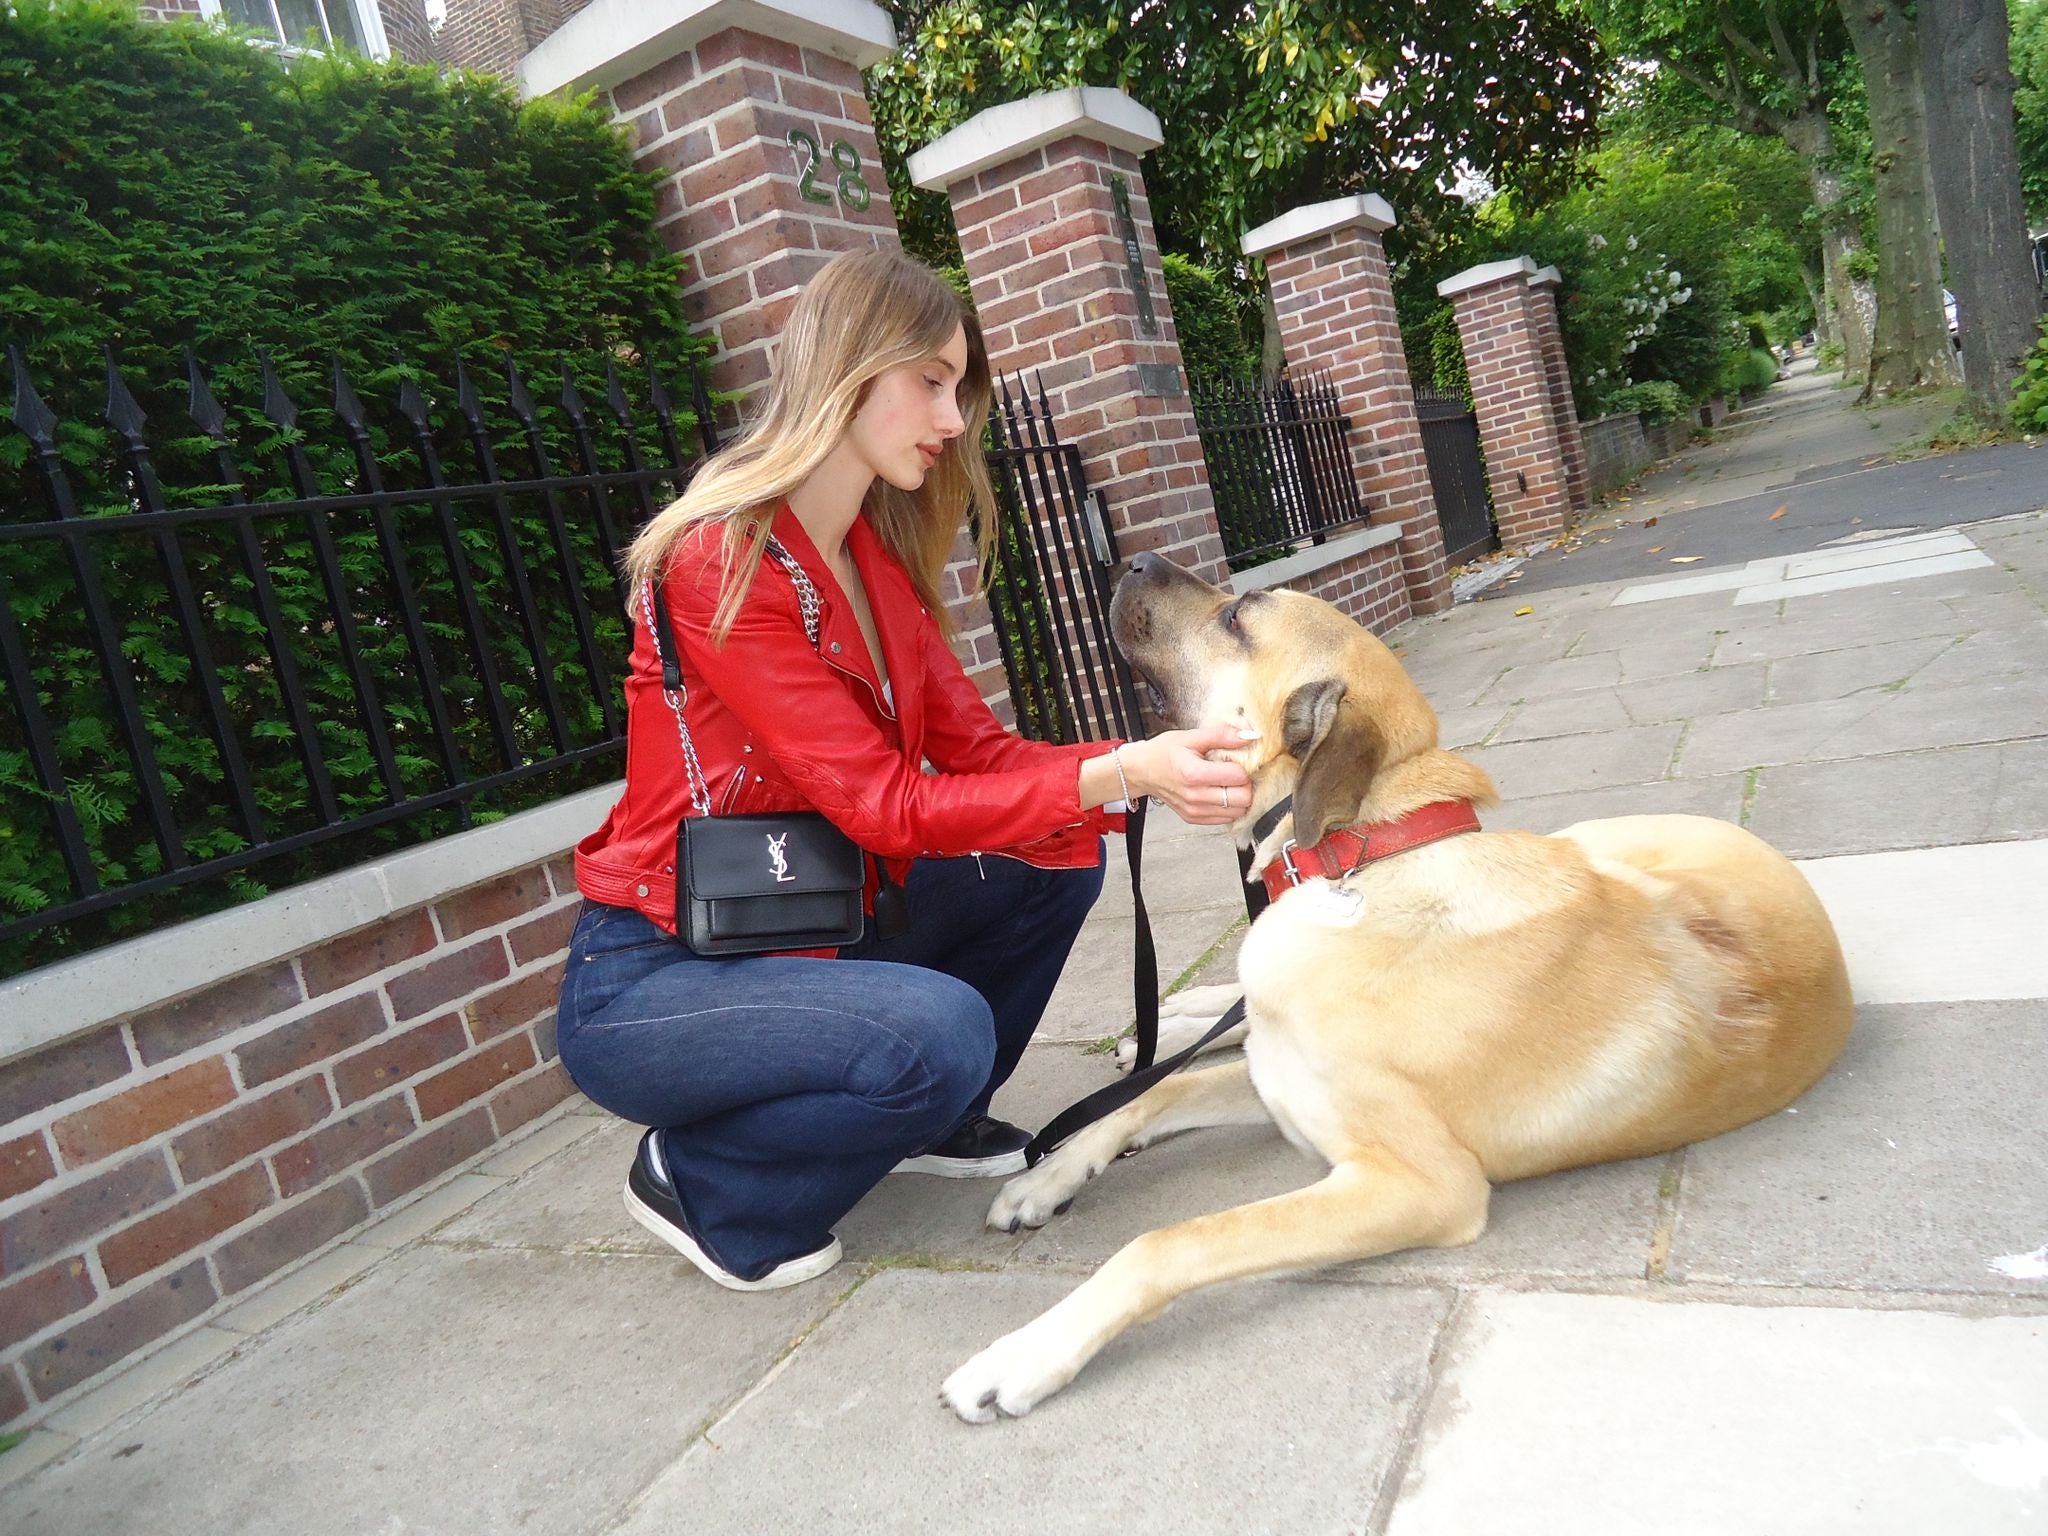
pixel 1363 842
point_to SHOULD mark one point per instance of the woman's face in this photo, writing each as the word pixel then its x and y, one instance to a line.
pixel 910 415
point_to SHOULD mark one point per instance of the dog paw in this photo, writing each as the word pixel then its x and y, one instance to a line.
pixel 1033 1198
pixel 1011 1377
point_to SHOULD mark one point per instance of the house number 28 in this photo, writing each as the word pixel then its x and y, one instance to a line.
pixel 853 191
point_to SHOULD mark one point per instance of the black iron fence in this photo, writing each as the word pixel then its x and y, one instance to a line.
pixel 1279 462
pixel 1457 472
pixel 298 636
pixel 1049 589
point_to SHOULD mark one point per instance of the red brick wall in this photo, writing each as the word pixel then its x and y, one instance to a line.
pixel 155 1168
pixel 1564 411
pixel 1335 303
pixel 1046 265
pixel 1370 586
pixel 714 122
pixel 1511 395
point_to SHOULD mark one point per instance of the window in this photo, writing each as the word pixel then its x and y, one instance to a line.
pixel 309 26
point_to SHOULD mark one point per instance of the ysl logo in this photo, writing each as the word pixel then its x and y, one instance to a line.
pixel 777 861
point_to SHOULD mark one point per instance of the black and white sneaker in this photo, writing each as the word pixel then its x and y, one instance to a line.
pixel 651 1201
pixel 981 1147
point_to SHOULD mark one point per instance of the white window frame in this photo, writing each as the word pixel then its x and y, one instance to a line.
pixel 366 14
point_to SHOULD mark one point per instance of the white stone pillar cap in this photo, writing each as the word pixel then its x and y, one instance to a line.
pixel 1545 277
pixel 611 41
pixel 1484 273
pixel 1098 112
pixel 1367 211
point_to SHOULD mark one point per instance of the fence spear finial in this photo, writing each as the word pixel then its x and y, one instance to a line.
pixel 30 414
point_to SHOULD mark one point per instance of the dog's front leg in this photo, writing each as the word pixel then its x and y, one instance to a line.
pixel 1184 1102
pixel 1376 1202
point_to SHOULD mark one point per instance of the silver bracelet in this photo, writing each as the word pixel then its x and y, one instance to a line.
pixel 1117 762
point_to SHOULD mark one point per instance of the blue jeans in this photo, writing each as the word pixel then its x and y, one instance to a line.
pixel 786 1088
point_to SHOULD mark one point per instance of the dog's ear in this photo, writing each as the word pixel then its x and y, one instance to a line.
pixel 1339 752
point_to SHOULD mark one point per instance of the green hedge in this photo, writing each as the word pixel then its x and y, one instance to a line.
pixel 1211 320
pixel 166 185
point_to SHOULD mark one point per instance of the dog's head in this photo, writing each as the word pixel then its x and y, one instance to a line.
pixel 1328 706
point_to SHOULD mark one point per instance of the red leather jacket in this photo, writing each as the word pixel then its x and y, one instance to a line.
pixel 780 726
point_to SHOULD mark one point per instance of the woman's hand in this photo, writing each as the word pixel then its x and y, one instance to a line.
pixel 1172 767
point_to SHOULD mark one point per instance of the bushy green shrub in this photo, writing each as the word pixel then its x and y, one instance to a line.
pixel 1659 400
pixel 1211 320
pixel 1751 369
pixel 167 185
pixel 2030 392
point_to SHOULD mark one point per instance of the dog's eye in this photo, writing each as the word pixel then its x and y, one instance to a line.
pixel 1230 620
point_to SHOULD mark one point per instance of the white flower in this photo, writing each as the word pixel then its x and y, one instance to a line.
pixel 1596 242
pixel 1631 242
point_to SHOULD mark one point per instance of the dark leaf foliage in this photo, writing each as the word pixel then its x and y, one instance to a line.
pixel 167 186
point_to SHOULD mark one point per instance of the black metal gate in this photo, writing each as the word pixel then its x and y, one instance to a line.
pixel 1457 473
pixel 1279 460
pixel 1050 586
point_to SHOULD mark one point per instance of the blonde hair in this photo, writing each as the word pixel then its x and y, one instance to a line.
pixel 862 315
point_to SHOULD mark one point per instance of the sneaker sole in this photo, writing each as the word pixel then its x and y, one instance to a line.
pixel 792 1272
pixel 964 1167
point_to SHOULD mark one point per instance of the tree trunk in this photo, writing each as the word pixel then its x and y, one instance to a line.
pixel 1964 46
pixel 1910 348
pixel 1810 138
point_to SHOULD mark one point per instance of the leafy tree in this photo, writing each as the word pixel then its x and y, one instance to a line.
pixel 1773 68
pixel 2029 54
pixel 1971 145
pixel 1910 345
pixel 1279 103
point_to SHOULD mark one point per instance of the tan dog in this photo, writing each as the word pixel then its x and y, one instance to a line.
pixel 1487 1007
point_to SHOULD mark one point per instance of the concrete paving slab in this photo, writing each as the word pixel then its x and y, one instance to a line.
pixel 1545 679
pixel 1836 623
pixel 1847 580
pixel 1997 710
pixel 1632 756
pixel 1569 714
pixel 1791 733
pixel 1603 1415
pixel 1939 924
pixel 442 1204
pixel 1468 727
pixel 449 1393
pixel 1988 653
pixel 1837 674
pixel 1718 796
pixel 151 1377
pixel 1911 1166
pixel 529 1152
pixel 300 1289
pixel 1905 800
pixel 1706 691
pixel 1258 1407
pixel 1093 997
pixel 30 1455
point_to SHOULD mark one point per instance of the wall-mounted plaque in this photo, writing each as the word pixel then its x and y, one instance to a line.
pixel 1134 259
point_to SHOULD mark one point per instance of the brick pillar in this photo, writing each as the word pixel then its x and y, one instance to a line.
pixel 1511 395
pixel 720 100
pixel 1563 410
pixel 1327 271
pixel 1046 194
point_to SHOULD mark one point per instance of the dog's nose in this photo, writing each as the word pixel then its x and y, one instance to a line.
pixel 1150 566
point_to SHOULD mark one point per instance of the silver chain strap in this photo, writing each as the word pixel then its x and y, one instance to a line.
pixel 807 599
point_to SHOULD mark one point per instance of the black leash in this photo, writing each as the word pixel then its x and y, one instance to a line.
pixel 1144 1073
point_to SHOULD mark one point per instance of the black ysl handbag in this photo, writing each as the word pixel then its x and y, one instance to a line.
pixel 749 885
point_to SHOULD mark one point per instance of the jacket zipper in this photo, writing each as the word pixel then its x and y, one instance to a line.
pixel 880 702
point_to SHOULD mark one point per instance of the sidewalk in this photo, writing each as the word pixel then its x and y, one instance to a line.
pixel 1833 1321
